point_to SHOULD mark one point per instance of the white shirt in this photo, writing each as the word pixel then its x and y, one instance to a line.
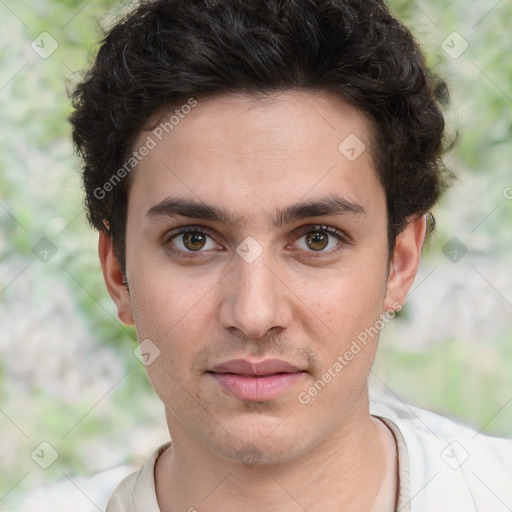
pixel 443 466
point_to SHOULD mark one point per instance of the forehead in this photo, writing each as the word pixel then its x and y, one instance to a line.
pixel 253 153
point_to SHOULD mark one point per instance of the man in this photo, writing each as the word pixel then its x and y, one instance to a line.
pixel 261 175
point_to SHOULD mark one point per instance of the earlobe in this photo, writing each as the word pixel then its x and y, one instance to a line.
pixel 114 278
pixel 405 262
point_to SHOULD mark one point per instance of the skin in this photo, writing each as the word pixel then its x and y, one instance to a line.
pixel 253 156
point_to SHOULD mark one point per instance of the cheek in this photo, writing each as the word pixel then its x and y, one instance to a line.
pixel 345 313
pixel 346 299
pixel 174 322
pixel 177 312
pixel 166 300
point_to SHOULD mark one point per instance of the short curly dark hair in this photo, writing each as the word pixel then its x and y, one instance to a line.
pixel 167 51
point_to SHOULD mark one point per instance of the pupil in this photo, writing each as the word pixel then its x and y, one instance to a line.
pixel 317 241
pixel 194 241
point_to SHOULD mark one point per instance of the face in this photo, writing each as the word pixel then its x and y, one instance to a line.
pixel 256 257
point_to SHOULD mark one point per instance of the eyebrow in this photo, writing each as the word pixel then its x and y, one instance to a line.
pixel 327 206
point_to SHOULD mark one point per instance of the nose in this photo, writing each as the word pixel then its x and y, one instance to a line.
pixel 255 299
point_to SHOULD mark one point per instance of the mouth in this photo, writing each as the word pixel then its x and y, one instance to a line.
pixel 256 381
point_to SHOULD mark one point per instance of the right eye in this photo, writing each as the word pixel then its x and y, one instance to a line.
pixel 191 239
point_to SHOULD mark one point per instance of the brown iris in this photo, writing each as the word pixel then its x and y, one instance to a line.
pixel 194 241
pixel 317 240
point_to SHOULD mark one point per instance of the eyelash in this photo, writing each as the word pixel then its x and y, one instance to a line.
pixel 186 229
pixel 329 230
pixel 304 230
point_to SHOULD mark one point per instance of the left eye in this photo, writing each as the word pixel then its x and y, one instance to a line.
pixel 192 241
pixel 319 240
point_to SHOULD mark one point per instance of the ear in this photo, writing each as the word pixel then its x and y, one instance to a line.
pixel 114 278
pixel 405 261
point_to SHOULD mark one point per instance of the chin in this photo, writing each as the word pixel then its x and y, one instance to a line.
pixel 255 447
pixel 252 455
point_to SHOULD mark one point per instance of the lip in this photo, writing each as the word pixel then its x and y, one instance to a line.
pixel 256 381
pixel 245 367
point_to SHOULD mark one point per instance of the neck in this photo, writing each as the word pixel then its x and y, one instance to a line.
pixel 346 471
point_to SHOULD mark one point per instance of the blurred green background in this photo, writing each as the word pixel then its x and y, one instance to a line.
pixel 68 375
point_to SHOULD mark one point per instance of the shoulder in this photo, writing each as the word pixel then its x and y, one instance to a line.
pixel 452 466
pixel 137 489
pixel 87 494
